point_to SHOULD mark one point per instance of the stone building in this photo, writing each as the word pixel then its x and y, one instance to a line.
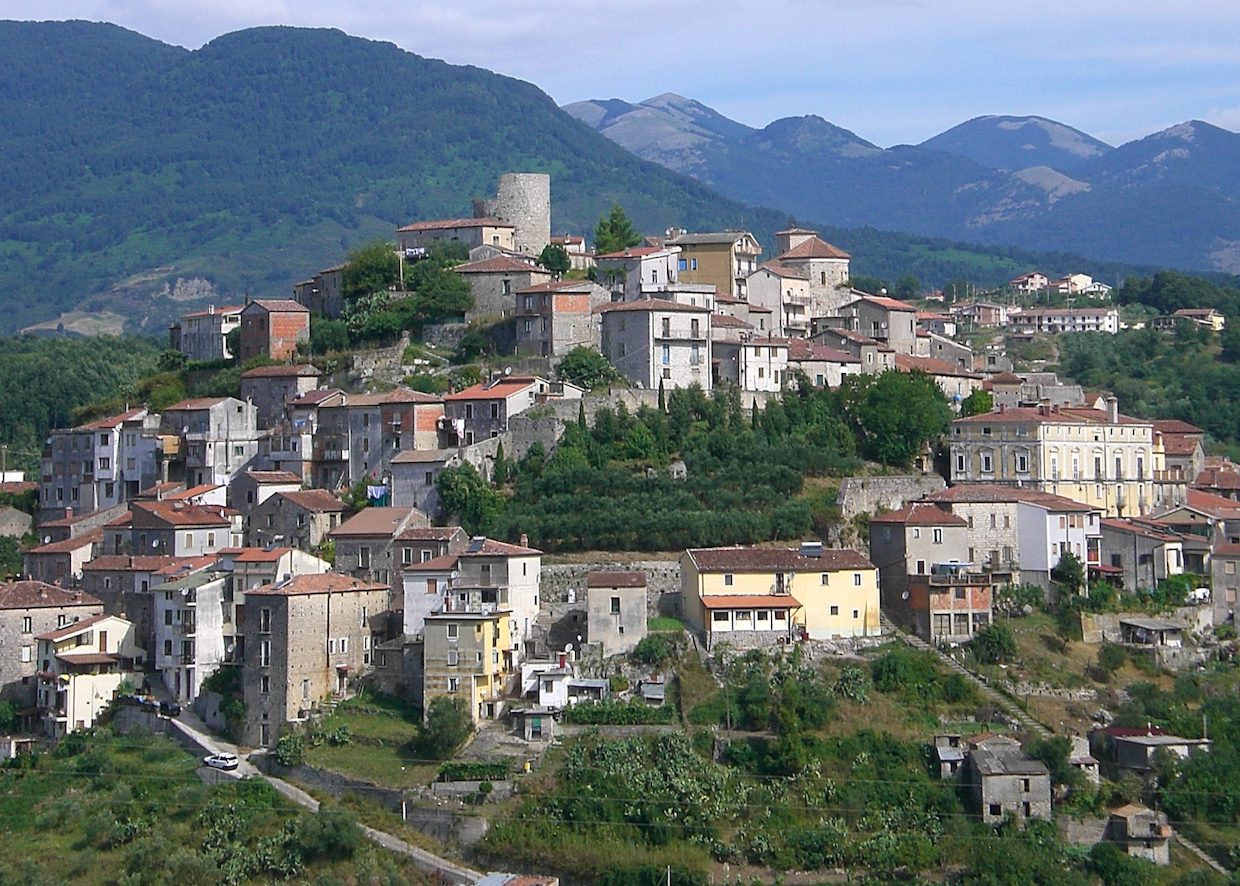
pixel 883 319
pixel 1005 782
pixel 784 291
pixel 251 488
pixel 301 519
pixel 616 606
pixel 203 335
pixel 272 388
pixel 355 436
pixel 364 542
pixel 321 294
pixel 61 562
pixel 523 200
pixel 1141 832
pixel 482 411
pixel 124 583
pixel 415 476
pixel 494 283
pixel 653 342
pixel 28 609
pixel 555 317
pixel 307 640
pixel 411 239
pixel 273 328
pixel 218 437
pixel 824 266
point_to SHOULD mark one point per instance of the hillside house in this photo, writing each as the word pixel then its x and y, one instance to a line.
pixel 653 342
pixel 203 335
pixel 494 283
pixel 723 259
pixel 553 318
pixel 272 388
pixel 81 667
pixel 273 328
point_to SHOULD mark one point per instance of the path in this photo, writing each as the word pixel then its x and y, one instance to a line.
pixel 1205 857
pixel 1006 704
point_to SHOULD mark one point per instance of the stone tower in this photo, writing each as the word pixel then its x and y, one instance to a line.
pixel 523 200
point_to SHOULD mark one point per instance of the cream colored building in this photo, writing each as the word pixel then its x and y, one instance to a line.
pixel 469 655
pixel 1094 456
pixel 763 596
pixel 81 667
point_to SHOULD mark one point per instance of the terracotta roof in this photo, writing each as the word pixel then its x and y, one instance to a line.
pixel 446 563
pixel 727 321
pixel 1196 312
pixel 605 579
pixel 499 390
pixel 560 286
pixel 1218 478
pixel 314 398
pixel 1180 444
pixel 39 594
pixel 633 252
pixel 296 370
pixel 128 563
pixel 318 500
pixel 801 350
pixel 217 310
pixel 194 404
pixel 193 492
pixel 430 533
pixel 112 421
pixel 1006 378
pixel 372 521
pixel 850 335
pixel 185 565
pixel 749 601
pixel 739 559
pixel 921 514
pixel 278 305
pixel 176 513
pixel 18 488
pixel 568 238
pixel 317 584
pixel 492 548
pixel 1175 426
pixel 1226 549
pixel 273 476
pixel 448 223
pixel 422 456
pixel 65 546
pixel 653 304
pixel 498 265
pixel 1057 415
pixel 260 555
pixel 1214 505
pixel 87 658
pixel 70 629
pixel 383 398
pixel 780 270
pixel 982 493
pixel 1133 528
pixel 882 301
pixel 814 247
pixel 709 238
pixel 932 366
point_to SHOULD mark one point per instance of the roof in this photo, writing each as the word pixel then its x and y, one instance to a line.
pixel 921 513
pixel 983 493
pixel 447 223
pixel 260 555
pixel 1150 624
pixel 992 763
pixel 373 521
pixel 195 403
pixel 318 500
pixel 87 658
pixel 112 421
pixel 446 563
pixel 273 477
pixel 315 397
pixel 653 304
pixel 1159 741
pixel 1134 528
pixel 1226 549
pixel 502 389
pixel 1196 312
pixel 727 321
pixel 382 398
pixel 1214 505
pixel 278 305
pixel 1006 378
pixel 801 350
pixel 633 252
pixel 193 492
pixel 781 270
pixel 1175 426
pixel 40 595
pixel 67 545
pixel 1218 478
pixel 1055 415
pixel 129 563
pixel 296 370
pixel 560 286
pixel 708 238
pixel 500 264
pixel 422 456
pixel 71 629
pixel 327 582
pixel 750 601
pixel 214 310
pixel 882 301
pixel 430 533
pixel 178 513
pixel 814 247
pixel 932 366
pixel 741 559
pixel 605 579
pixel 489 547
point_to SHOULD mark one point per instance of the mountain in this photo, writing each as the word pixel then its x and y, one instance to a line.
pixel 1020 143
pixel 1028 182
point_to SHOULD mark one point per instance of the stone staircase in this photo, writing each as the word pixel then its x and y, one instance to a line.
pixel 1003 702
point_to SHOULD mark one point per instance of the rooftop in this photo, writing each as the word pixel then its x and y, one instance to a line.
pixel 324 583
pixel 449 223
pixel 742 559
pixel 373 521
pixel 41 595
pixel 617 579
pixel 291 371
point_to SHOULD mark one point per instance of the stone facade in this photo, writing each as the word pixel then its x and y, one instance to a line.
pixel 553 318
pixel 273 328
pixel 98 465
pixel 523 200
pixel 300 519
pixel 869 495
pixel 28 609
pixel 616 607
pixel 272 388
pixel 655 342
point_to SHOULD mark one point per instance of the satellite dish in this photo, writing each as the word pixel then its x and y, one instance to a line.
pixel 904 596
pixel 47 539
pixel 568 647
pixel 507 370
pixel 154 542
pixel 184 592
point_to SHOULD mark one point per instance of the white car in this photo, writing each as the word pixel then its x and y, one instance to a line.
pixel 222 760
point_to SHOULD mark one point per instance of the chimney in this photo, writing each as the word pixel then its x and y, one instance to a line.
pixel 1002 408
pixel 69 512
pixel 1044 406
pixel 1113 409
pixel 525 540
pixel 563 659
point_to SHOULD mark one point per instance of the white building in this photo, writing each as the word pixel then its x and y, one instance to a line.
pixel 655 342
pixel 81 667
pixel 189 631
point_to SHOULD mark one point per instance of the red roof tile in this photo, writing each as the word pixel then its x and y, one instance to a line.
pixel 112 421
pixel 295 371
pixel 68 545
pixel 739 559
pixel 319 501
pixel 448 223
pixel 921 514
pixel 277 306
pixel 322 583
pixel 653 304
pixel 749 601
pixel 273 476
pixel 499 390
pixel 372 521
pixel 633 252
pixel 932 366
pixel 882 301
pixel 814 247
pixel 40 595
pixel 501 264
pixel 71 629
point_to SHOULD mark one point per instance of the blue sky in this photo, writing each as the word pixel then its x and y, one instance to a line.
pixel 893 71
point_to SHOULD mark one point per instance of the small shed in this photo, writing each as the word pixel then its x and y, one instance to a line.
pixel 535 723
pixel 653 692
pixel 1151 631
pixel 949 753
pixel 580 690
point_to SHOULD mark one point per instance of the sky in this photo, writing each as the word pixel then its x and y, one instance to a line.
pixel 892 71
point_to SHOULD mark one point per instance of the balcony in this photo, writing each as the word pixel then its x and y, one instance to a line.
pixel 186 628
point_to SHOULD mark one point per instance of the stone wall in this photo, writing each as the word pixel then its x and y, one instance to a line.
pixel 869 495
pixel 444 335
pixel 662 584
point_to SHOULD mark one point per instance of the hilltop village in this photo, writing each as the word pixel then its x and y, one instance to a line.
pixel 964 599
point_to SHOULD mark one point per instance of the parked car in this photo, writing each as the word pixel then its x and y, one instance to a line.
pixel 222 760
pixel 169 709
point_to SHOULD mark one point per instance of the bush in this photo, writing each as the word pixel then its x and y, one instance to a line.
pixel 994 643
pixel 474 770
pixel 903 669
pixel 1111 657
pixel 618 682
pixel 448 724
pixel 1116 868
pixel 618 713
pixel 291 750
pixel 959 689
pixel 654 650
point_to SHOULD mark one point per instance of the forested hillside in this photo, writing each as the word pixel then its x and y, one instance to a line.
pixel 267 154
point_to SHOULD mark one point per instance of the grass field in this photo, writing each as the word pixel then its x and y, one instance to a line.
pixel 380 730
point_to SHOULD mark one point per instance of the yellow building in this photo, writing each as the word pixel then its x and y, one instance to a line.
pixel 81 667
pixel 1094 456
pixel 468 655
pixel 763 596
pixel 723 259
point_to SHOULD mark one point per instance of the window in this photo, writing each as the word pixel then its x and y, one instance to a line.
pixel 344 645
pixel 454 658
pixel 825 579
pixel 857 579
pixel 727 579
pixel 835 610
pixel 264 621
pixel 454 684
pixel 454 631
pixel 1022 463
pixel 264 653
pixel 494 410
pixel 26 624
pixel 264 684
pixel 987 463
pixel 26 654
pixel 105 464
pixel 921 567
pixel 331 645
pixel 666 326
pixel 938 536
pixel 363 557
pixel 667 354
pixel 719 615
pixel 960 462
pixel 615 605
pixel 856 613
pixel 167 616
pixel 695 328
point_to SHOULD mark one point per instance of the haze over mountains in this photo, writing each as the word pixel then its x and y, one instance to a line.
pixel 1167 199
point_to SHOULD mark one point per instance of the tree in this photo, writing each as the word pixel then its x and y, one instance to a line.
pixel 369 269
pixel 586 367
pixel 1111 657
pixel 895 414
pixel 615 232
pixel 554 258
pixel 994 643
pixel 907 287
pixel 978 403
pixel 463 492
pixel 447 725
pixel 1069 572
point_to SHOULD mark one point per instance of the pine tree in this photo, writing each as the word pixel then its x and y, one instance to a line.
pixel 615 232
pixel 662 398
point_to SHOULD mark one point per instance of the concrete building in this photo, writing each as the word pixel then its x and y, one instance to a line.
pixel 784 291
pixel 415 478
pixel 555 317
pixel 1096 456
pixel 300 519
pixel 823 366
pixel 1058 321
pixel 653 342
pixel 616 610
pixel 307 640
pixel 753 364
pixel 218 437
pixel 886 320
pixel 873 357
pixel 469 655
pixel 633 274
pixel 911 540
pixel 1141 833
pixel 124 584
pixel 470 231
pixel 723 259
pixel 203 335
pixel 272 388
pixel 190 631
pixel 1139 553
pixel 273 328
pixel 27 610
pixel 753 596
pixel 355 436
pixel 100 464
pixel 495 282
pixel 1006 783
pixel 1224 582
pixel 81 667
pixel 955 383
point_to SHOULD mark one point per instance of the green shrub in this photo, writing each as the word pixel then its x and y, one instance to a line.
pixel 618 682
pixel 959 689
pixel 618 713
pixel 1111 657
pixel 654 650
pixel 474 770
pixel 994 643
pixel 291 749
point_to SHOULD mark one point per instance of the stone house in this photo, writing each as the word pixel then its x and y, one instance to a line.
pixel 1224 581
pixel 218 437
pixel 822 365
pixel 484 410
pixel 272 388
pixel 757 317
pixel 124 584
pixel 355 436
pixel 81 668
pixel 321 294
pixel 873 357
pixel 553 318
pixel 273 328
pixel 415 475
pixel 203 335
pixel 307 640
pixel 61 562
pixel 495 282
pixel 826 267
pixel 949 753
pixel 27 610
pixel 364 542
pixel 300 519
pixel 1141 833
pixel 955 383
pixel 754 364
pixel 785 292
pixel 417 236
pixel 14 523
pixel 654 341
pixel 883 319
pixel 251 488
pixel 616 610
pixel 1140 554
pixel 723 259
pixel 1005 782
pixel 174 529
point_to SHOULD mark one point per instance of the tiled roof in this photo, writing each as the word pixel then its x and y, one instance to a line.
pixel 18 487
pixel 882 301
pixel 932 366
pixel 179 514
pixel 448 223
pixel 385 398
pixel 71 629
pixel 318 500
pixel 193 492
pixel 445 563
pixel 195 403
pixel 633 252
pixel 605 579
pixel 1226 549
pixel 112 421
pixel 314 398
pixel 185 565
pixel 38 595
pixel 653 304
pixel 260 555
pixel 1006 378
pixel 739 559
pixel 273 476
pixel 982 493
pixel 1175 426
pixel 1133 528
pixel 322 583
pixel 1215 505
pixel 216 311
pixel 1218 478
pixel 780 270
pixel 727 321
pixel 430 533
pixel 492 548
pixel 296 370
pixel 814 247
pixel 749 601
pixel 578 286
pixel 1056 415
pixel 422 456
pixel 921 514
pixel 801 350
pixel 501 264
pixel 499 390
pixel 278 305
pixel 372 521
pixel 68 545
pixel 128 563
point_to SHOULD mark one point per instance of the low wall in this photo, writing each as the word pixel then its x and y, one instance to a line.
pixel 560 581
pixel 869 495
